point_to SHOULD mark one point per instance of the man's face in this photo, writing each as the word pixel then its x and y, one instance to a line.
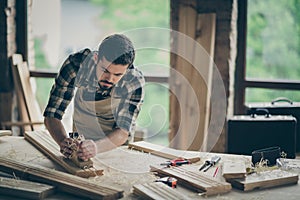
pixel 109 74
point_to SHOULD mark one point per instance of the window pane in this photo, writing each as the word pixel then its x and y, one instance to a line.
pixel 154 116
pixel 273 44
pixel 267 95
pixel 42 87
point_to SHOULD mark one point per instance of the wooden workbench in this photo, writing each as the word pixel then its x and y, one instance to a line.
pixel 124 168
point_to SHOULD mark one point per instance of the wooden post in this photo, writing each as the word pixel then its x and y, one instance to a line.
pixel 8 46
pixel 21 27
pixel 191 77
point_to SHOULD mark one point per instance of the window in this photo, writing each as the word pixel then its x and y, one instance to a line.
pixel 271 60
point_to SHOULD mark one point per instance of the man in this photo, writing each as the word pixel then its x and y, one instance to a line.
pixel 109 95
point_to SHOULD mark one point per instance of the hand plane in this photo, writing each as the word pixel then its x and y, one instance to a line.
pixel 74 146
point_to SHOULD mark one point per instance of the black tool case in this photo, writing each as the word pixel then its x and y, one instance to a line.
pixel 280 106
pixel 246 133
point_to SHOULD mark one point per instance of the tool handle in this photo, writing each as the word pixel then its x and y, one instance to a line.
pixel 215 160
pixel 207 167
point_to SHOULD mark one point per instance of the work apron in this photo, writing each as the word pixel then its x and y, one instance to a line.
pixel 94 119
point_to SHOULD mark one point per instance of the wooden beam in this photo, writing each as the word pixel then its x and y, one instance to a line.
pixel 182 129
pixel 42 140
pixel 7 43
pixel 273 84
pixel 24 189
pixel 240 71
pixel 9 124
pixel 43 73
pixel 191 76
pixel 21 28
pixel 202 79
pixel 63 181
pixel 51 74
pixel 6 100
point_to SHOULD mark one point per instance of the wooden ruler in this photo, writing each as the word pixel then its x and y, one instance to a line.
pixel 157 190
pixel 63 181
pixel 42 140
pixel 194 180
pixel 265 179
pixel 164 152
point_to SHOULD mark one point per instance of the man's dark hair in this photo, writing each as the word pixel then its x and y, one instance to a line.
pixel 117 49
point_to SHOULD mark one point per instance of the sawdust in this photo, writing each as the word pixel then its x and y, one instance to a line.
pixel 11 153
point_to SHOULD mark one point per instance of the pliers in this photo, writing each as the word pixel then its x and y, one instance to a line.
pixel 209 163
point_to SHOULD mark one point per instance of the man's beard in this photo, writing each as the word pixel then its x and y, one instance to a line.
pixel 105 87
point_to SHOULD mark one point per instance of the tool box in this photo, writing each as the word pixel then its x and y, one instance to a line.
pixel 246 133
pixel 280 106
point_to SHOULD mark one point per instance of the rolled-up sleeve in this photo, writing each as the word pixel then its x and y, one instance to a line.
pixel 62 90
pixel 61 93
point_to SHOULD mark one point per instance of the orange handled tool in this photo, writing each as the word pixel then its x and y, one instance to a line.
pixel 176 162
pixel 170 181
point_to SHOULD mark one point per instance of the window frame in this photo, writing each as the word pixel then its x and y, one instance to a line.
pixel 241 82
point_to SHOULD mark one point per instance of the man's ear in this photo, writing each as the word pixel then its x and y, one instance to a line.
pixel 95 57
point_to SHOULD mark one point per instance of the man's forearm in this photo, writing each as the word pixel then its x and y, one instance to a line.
pixel 113 140
pixel 56 129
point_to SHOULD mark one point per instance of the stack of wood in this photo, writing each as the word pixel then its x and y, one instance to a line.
pixel 233 172
pixel 62 181
pixel 40 181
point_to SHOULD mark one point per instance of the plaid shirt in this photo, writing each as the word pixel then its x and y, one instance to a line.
pixel 79 70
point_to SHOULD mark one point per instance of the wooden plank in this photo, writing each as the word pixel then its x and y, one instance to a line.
pixel 33 109
pixel 5 133
pixel 164 152
pixel 265 179
pixel 192 82
pixel 8 125
pixel 233 169
pixel 43 141
pixel 201 79
pixel 63 181
pixel 157 190
pixel 182 109
pixel 24 189
pixel 18 60
pixel 194 180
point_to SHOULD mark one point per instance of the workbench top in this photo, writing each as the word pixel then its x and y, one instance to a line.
pixel 124 168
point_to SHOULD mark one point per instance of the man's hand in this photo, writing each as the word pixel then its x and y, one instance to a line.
pixel 68 146
pixel 87 149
